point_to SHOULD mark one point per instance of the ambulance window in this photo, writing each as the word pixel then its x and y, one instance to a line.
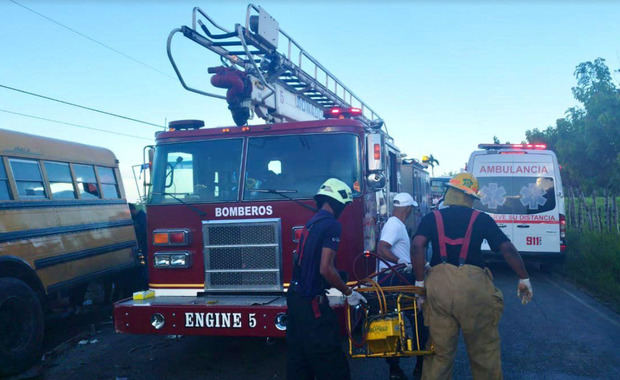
pixel 5 193
pixel 59 177
pixel 28 179
pixel 516 195
pixel 87 182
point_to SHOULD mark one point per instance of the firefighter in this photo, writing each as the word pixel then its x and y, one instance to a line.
pixel 394 246
pixel 459 289
pixel 312 336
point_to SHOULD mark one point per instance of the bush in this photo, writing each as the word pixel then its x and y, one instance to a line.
pixel 593 260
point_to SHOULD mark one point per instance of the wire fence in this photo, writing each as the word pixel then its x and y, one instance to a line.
pixel 597 211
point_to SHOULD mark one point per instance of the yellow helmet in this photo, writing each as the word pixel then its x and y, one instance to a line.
pixel 337 190
pixel 465 182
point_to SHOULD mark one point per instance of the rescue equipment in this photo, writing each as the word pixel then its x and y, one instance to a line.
pixel 387 325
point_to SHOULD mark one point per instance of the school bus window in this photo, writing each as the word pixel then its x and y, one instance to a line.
pixel 5 193
pixel 108 182
pixel 28 179
pixel 87 182
pixel 59 177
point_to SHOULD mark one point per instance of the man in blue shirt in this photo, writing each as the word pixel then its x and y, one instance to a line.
pixel 314 349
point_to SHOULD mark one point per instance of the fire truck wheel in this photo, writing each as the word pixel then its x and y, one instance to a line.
pixel 21 326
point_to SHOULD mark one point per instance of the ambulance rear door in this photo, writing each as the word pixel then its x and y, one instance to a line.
pixel 518 190
pixel 537 216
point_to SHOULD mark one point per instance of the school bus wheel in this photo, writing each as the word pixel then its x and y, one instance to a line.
pixel 21 326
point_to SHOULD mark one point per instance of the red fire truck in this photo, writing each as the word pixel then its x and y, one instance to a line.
pixel 227 205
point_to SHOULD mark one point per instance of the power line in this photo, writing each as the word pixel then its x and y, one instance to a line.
pixel 81 106
pixel 73 124
pixel 93 40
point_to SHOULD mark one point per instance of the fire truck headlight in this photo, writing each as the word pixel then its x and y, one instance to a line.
pixel 162 261
pixel 180 260
pixel 158 321
pixel 281 321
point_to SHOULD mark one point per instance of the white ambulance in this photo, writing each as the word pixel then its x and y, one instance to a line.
pixel 521 188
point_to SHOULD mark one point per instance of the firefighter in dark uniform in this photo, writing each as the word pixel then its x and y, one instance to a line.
pixel 460 294
pixel 314 348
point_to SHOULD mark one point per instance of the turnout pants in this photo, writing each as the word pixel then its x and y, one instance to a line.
pixel 462 297
pixel 313 342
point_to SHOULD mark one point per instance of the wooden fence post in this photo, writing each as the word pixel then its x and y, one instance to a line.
pixel 581 216
pixel 567 201
pixel 573 206
pixel 588 210
pixel 615 213
pixel 608 210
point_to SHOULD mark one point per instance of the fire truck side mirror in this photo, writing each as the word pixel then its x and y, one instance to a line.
pixel 374 152
pixel 376 181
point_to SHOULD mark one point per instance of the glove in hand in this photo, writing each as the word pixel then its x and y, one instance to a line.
pixel 525 291
pixel 355 298
pixel 408 265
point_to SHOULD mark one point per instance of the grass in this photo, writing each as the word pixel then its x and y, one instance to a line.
pixel 593 261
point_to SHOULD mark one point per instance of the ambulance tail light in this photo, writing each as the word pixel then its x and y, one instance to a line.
pixel 562 227
pixel 377 151
pixel 171 237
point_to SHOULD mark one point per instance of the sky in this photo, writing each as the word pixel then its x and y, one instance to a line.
pixel 445 76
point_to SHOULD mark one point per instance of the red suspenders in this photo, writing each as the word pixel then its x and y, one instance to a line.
pixel 463 242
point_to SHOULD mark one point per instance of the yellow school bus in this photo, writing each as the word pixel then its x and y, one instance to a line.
pixel 64 222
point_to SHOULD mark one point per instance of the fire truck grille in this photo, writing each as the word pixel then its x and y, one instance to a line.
pixel 242 255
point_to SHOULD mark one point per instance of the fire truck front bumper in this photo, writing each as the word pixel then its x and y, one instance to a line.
pixel 221 315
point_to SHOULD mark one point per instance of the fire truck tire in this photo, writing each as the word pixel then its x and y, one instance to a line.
pixel 21 326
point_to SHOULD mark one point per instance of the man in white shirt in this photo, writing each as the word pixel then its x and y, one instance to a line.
pixel 394 242
pixel 394 247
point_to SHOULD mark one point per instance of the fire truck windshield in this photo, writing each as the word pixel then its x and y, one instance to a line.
pixel 205 171
pixel 300 163
pixel 208 171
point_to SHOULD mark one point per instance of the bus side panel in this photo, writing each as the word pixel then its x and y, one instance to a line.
pixel 64 243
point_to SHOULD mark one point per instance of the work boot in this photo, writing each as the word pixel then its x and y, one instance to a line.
pixel 396 373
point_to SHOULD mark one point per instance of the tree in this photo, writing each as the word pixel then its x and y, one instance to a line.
pixel 587 139
pixel 431 161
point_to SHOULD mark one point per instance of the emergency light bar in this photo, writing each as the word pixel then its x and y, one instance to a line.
pixel 180 125
pixel 340 113
pixel 513 146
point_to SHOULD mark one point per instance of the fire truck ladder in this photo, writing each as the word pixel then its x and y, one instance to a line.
pixel 272 78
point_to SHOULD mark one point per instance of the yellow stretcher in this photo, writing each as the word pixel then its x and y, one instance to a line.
pixel 382 329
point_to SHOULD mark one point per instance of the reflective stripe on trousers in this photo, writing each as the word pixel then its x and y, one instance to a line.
pixel 462 297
